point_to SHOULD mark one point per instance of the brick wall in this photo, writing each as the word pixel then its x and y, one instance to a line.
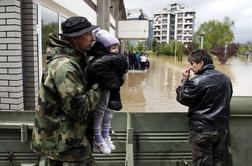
pixel 11 72
pixel 30 53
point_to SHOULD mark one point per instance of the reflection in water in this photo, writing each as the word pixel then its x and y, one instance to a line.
pixel 155 90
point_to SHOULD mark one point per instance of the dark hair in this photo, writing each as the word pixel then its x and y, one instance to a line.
pixel 200 55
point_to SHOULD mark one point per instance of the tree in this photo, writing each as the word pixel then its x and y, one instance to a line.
pixel 140 46
pixel 129 47
pixel 171 49
pixel 245 48
pixel 154 45
pixel 223 53
pixel 176 49
pixel 46 30
pixel 216 33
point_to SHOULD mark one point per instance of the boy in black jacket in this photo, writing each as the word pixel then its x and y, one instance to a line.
pixel 107 69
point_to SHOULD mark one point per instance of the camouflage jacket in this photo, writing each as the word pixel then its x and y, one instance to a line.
pixel 61 120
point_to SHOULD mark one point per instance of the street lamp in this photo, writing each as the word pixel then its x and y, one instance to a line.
pixel 175 50
pixel 225 50
pixel 202 34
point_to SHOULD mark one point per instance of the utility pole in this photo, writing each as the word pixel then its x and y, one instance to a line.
pixel 202 34
pixel 175 50
pixel 225 50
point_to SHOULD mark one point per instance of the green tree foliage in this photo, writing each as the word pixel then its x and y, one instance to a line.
pixel 179 51
pixel 174 48
pixel 164 49
pixel 216 33
pixel 46 30
pixel 130 47
pixel 140 46
pixel 154 45
pixel 243 48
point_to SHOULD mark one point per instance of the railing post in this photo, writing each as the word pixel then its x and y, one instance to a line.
pixel 43 161
pixel 24 133
pixel 130 142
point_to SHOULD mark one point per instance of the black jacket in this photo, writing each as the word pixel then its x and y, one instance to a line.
pixel 208 96
pixel 105 68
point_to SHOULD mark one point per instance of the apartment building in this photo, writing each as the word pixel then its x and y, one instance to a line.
pixel 24 27
pixel 176 22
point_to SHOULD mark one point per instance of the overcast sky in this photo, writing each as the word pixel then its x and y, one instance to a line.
pixel 238 10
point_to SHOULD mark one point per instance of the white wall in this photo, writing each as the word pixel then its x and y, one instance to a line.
pixel 79 7
pixel 134 29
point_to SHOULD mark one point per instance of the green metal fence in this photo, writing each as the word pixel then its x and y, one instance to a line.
pixel 153 139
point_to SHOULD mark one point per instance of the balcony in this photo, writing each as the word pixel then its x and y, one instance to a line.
pixel 189 16
pixel 188 34
pixel 157 23
pixel 180 21
pixel 187 28
pixel 179 27
pixel 164 15
pixel 188 22
pixel 157 29
pixel 155 36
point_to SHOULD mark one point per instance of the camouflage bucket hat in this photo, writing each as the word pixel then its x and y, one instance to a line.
pixel 76 26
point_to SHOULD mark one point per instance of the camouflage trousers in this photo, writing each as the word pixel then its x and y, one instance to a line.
pixel 209 148
pixel 90 162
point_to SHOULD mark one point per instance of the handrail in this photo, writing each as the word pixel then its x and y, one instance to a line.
pixel 130 141
pixel 147 142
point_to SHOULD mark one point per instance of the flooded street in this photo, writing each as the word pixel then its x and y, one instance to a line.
pixel 155 90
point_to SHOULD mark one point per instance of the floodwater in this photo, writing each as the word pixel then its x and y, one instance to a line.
pixel 155 90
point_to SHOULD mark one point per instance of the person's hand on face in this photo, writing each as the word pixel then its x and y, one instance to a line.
pixel 186 74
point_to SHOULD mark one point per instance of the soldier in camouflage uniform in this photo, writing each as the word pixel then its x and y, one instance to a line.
pixel 62 120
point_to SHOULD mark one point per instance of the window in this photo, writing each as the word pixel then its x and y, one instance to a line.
pixel 62 19
pixel 49 24
pixel 49 21
pixel 179 37
pixel 179 32
pixel 180 20
pixel 180 14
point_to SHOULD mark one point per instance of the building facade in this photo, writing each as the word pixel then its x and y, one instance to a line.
pixel 174 23
pixel 138 14
pixel 24 27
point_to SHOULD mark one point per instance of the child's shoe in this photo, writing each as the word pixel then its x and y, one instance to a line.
pixel 109 143
pixel 103 147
